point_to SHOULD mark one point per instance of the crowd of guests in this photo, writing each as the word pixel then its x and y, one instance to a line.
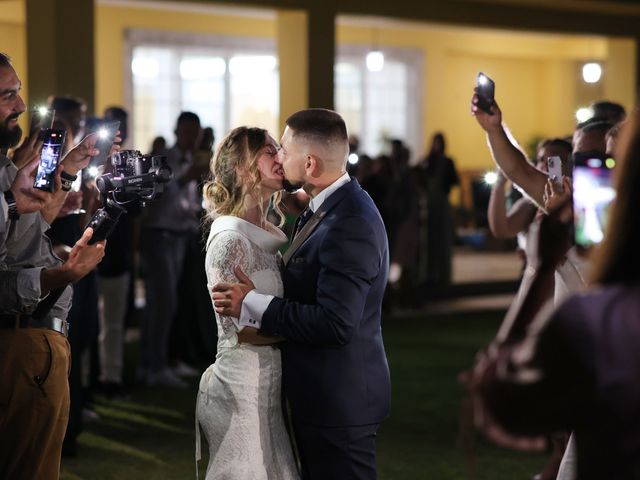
pixel 156 244
pixel 35 355
pixel 413 201
pixel 562 371
pixel 44 246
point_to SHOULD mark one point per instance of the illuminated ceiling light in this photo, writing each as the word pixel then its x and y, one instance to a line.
pixel 490 178
pixel 43 111
pixel 583 114
pixel 353 158
pixel 375 61
pixel 145 67
pixel 375 57
pixel 591 72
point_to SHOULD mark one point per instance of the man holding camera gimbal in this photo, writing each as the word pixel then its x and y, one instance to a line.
pixel 34 352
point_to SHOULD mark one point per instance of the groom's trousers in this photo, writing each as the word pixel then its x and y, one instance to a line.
pixel 336 453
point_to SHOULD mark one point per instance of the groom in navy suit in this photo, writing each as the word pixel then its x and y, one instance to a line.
pixel 335 372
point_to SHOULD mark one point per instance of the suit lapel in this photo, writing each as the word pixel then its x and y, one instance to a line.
pixel 317 217
pixel 303 234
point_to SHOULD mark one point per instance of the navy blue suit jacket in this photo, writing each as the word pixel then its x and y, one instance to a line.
pixel 335 370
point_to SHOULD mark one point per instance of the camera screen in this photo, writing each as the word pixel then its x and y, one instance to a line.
pixel 49 158
pixel 592 197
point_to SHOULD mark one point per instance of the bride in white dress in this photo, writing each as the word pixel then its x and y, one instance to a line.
pixel 239 403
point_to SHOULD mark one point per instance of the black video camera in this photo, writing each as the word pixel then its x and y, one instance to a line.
pixel 135 177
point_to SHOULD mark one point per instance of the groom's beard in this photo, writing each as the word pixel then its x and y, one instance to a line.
pixel 291 187
pixel 9 137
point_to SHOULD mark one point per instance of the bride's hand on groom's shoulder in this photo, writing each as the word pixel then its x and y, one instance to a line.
pixel 228 297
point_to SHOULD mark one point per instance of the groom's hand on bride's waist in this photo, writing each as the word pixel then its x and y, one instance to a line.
pixel 228 297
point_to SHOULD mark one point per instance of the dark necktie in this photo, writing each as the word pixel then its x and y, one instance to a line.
pixel 302 219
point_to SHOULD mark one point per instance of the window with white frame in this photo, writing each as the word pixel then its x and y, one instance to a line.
pixel 226 81
pixel 380 105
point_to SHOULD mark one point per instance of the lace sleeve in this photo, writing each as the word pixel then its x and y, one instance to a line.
pixel 227 250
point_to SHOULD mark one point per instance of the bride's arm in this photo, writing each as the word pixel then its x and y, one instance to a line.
pixel 231 251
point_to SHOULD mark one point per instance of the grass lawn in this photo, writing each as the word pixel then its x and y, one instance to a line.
pixel 152 435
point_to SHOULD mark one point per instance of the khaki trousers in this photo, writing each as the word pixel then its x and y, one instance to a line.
pixel 34 402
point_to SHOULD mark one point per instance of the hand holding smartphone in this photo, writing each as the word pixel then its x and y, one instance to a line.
pixel 485 89
pixel 53 140
pixel 554 167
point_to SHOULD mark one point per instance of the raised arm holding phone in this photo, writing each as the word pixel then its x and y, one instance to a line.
pixel 509 158
pixel 573 267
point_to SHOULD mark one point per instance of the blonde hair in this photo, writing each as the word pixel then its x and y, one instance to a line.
pixel 226 189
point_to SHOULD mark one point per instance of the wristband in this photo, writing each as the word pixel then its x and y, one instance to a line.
pixel 11 203
pixel 67 180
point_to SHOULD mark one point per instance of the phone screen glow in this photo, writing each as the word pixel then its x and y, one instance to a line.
pixel 49 158
pixel 592 198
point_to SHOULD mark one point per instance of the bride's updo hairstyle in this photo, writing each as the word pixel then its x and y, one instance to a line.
pixel 234 172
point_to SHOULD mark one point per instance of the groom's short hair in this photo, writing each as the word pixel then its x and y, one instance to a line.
pixel 318 124
pixel 322 127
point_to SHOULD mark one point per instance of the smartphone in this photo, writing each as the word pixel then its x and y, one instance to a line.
pixel 40 118
pixel 485 89
pixel 593 194
pixel 53 140
pixel 106 132
pixel 554 168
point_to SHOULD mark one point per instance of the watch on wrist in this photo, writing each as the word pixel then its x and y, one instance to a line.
pixel 11 203
pixel 67 180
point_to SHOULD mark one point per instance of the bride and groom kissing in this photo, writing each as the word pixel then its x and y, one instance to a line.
pixel 301 382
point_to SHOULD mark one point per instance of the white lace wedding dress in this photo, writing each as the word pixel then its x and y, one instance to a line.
pixel 239 401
